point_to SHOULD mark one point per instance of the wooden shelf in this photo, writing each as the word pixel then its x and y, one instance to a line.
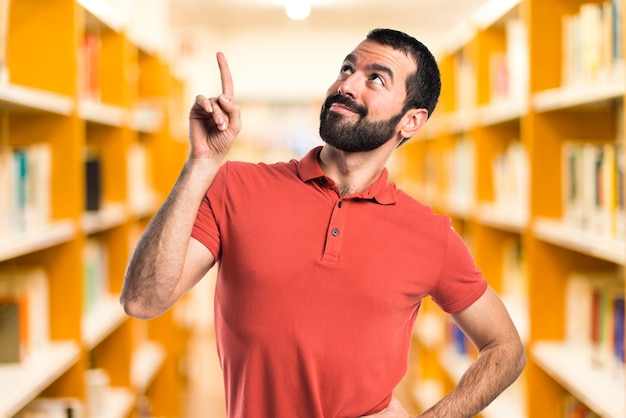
pixel 119 403
pixel 501 112
pixel 103 114
pixel 25 99
pixel 571 366
pixel 21 383
pixel 514 220
pixel 504 92
pixel 106 13
pixel 146 119
pixel 580 95
pixel 107 315
pixel 585 242
pixel 147 361
pixel 37 239
pixel 109 217
pixel 102 92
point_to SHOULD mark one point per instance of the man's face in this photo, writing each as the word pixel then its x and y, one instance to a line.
pixel 364 106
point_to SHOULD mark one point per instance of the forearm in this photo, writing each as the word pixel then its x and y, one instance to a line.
pixel 153 274
pixel 492 372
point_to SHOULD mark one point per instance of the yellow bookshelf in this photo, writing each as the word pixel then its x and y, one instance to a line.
pixel 512 91
pixel 74 85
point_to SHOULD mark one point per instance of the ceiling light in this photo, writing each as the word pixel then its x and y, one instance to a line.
pixel 298 9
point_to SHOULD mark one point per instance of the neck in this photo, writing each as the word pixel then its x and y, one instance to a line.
pixel 352 172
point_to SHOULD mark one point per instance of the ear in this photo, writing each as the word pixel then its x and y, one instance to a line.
pixel 412 121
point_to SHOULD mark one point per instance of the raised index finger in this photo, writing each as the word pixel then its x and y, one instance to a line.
pixel 227 79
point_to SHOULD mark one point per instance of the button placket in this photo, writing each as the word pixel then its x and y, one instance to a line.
pixel 334 233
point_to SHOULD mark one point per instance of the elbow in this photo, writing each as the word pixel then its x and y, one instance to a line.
pixel 521 359
pixel 138 309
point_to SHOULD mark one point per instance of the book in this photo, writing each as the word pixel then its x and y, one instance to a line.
pixel 11 331
pixel 140 190
pixel 591 42
pixel 6 185
pixel 93 181
pixel 517 59
pixel 510 176
pixel 89 67
pixel 25 181
pixel 594 316
pixel 593 187
pixel 29 286
pixel 4 39
pixel 96 275
pixel 573 408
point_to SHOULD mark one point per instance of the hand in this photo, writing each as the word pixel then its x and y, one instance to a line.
pixel 214 123
pixel 393 410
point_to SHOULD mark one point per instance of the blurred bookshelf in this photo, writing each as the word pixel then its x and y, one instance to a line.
pixel 525 153
pixel 87 153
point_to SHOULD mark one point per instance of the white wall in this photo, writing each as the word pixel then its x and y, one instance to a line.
pixel 291 65
pixel 280 78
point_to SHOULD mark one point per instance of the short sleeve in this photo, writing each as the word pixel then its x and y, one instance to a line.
pixel 460 282
pixel 206 227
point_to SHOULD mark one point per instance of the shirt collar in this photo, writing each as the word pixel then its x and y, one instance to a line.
pixel 380 191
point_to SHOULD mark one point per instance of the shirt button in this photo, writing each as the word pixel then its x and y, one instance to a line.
pixel 340 204
pixel 324 180
pixel 335 232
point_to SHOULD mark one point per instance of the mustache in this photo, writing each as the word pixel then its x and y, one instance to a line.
pixel 347 102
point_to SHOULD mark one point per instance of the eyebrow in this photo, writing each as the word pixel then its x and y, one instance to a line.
pixel 375 67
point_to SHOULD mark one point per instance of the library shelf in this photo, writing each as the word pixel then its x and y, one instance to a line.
pixel 24 99
pixel 593 386
pixel 105 317
pixel 501 112
pixel 506 219
pixel 582 241
pixel 582 94
pixel 35 239
pixel 461 121
pixel 102 93
pixel 119 403
pixel 110 216
pixel 508 404
pixel 146 119
pixel 509 79
pixel 20 383
pixel 147 360
pixel 114 17
pixel 103 114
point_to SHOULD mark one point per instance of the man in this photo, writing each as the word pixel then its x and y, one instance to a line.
pixel 322 262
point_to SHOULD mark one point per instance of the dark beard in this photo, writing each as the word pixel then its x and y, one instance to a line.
pixel 359 136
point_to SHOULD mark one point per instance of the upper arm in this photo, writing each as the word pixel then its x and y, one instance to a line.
pixel 198 261
pixel 487 322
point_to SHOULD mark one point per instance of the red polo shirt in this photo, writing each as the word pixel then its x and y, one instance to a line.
pixel 317 294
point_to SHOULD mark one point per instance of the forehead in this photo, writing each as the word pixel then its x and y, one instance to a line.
pixel 369 53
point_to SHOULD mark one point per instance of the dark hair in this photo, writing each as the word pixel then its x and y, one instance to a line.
pixel 422 87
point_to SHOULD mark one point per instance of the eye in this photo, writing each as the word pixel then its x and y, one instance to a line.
pixel 347 69
pixel 378 79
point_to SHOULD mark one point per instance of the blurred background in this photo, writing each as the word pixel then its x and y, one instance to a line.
pixel 282 65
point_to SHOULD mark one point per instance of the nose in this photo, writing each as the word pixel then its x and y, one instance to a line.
pixel 347 88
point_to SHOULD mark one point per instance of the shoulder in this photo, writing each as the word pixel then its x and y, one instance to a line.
pixel 414 208
pixel 250 171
